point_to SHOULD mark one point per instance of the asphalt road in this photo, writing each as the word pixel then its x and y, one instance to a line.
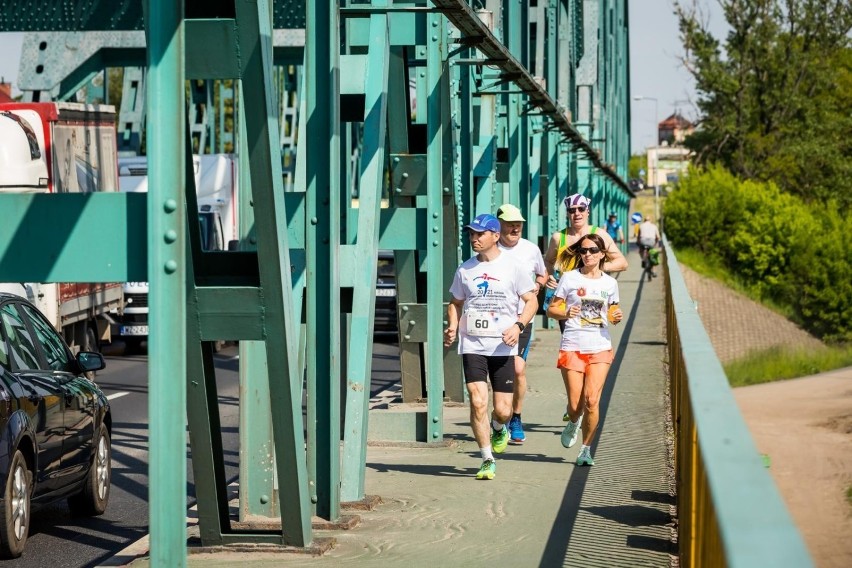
pixel 59 540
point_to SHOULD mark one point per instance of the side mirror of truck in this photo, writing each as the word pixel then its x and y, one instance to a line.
pixel 233 246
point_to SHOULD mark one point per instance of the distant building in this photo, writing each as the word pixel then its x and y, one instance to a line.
pixel 6 92
pixel 674 130
pixel 666 164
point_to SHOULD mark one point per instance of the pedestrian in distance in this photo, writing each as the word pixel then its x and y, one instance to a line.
pixel 528 256
pixel 587 299
pixel 483 315
pixel 613 228
pixel 647 237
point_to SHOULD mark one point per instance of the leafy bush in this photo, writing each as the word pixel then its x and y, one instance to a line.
pixel 780 248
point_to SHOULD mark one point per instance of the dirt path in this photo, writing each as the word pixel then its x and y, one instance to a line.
pixel 804 425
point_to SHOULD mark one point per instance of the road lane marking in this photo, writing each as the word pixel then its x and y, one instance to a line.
pixel 116 395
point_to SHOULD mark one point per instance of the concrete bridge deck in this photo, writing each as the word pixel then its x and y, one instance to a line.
pixel 540 510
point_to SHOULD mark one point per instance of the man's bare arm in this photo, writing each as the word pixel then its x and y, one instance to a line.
pixel 616 262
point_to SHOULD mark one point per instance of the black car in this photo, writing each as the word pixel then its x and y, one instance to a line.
pixel 385 322
pixel 54 424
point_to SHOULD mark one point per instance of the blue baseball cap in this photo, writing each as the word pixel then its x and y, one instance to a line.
pixel 485 222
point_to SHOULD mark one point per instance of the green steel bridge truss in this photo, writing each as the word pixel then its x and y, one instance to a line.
pixel 360 126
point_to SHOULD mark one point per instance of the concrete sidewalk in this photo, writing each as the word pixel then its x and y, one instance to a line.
pixel 540 510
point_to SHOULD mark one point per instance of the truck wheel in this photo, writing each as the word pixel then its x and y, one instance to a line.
pixel 16 508
pixel 93 498
pixel 90 344
pixel 132 345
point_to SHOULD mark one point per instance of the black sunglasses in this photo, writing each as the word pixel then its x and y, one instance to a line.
pixel 573 210
pixel 591 250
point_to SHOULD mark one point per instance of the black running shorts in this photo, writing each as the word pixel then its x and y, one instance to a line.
pixel 501 369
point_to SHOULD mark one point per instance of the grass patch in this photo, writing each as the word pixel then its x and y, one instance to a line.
pixel 849 495
pixel 779 363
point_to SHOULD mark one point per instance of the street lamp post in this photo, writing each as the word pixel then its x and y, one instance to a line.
pixel 653 171
pixel 656 115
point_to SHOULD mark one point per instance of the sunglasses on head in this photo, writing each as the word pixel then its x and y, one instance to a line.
pixel 573 210
pixel 590 250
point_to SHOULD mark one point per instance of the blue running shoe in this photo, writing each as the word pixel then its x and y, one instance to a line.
pixel 499 440
pixel 516 430
pixel 487 470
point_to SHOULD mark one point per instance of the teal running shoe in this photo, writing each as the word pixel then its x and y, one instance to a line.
pixel 516 430
pixel 499 440
pixel 487 470
pixel 585 457
pixel 570 432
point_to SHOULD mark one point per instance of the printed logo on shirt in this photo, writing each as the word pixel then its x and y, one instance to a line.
pixel 483 286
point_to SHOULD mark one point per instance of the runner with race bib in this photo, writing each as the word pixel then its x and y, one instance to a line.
pixel 483 315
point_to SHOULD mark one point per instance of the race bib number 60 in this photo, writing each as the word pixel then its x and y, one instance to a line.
pixel 482 324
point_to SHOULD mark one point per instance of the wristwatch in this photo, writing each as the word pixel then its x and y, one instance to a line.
pixel 521 326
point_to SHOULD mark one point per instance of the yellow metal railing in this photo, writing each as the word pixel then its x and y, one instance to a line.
pixel 729 511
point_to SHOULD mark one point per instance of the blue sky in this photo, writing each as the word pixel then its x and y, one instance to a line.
pixel 655 68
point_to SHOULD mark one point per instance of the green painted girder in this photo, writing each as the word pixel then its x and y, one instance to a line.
pixel 438 197
pixel 167 275
pixel 105 15
pixel 399 128
pixel 82 220
pixel 365 254
pixel 270 221
pixel 110 227
pixel 323 313
pixel 464 18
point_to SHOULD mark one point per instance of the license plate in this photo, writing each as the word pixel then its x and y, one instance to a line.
pixel 386 292
pixel 134 330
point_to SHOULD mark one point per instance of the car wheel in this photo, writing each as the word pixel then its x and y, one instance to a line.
pixel 93 498
pixel 16 508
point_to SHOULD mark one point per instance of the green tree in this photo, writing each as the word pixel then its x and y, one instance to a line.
pixel 637 162
pixel 774 97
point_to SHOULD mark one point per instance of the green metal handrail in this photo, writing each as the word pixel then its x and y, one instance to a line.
pixel 729 510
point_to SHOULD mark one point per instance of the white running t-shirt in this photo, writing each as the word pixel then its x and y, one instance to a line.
pixel 528 256
pixel 490 291
pixel 587 333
